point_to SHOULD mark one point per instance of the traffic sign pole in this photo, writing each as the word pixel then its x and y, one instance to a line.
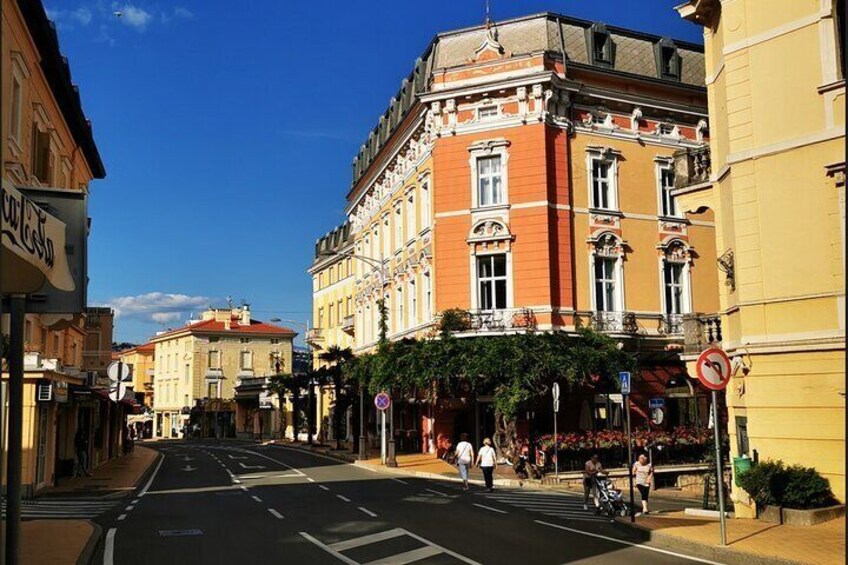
pixel 390 458
pixel 555 392
pixel 629 456
pixel 719 473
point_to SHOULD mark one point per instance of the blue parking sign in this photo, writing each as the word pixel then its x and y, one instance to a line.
pixel 624 379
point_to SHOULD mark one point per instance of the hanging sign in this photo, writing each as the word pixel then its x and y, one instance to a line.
pixel 33 244
pixel 713 368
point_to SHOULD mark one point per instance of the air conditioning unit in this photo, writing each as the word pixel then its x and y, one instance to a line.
pixel 44 392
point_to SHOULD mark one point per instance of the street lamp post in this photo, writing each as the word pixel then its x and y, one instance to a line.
pixel 377 266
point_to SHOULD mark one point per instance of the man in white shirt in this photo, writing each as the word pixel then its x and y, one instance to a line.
pixel 464 456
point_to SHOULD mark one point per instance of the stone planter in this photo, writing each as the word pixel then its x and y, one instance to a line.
pixel 771 514
pixel 813 516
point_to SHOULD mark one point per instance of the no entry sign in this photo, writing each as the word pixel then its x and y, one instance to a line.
pixel 382 401
pixel 713 368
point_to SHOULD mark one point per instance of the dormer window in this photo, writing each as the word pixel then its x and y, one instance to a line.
pixel 668 60
pixel 601 46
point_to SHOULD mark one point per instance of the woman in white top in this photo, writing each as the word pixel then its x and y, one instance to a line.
pixel 642 474
pixel 464 453
pixel 487 461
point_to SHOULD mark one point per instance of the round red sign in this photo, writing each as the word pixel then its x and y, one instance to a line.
pixel 382 401
pixel 714 368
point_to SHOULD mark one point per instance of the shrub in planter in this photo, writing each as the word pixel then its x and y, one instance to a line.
pixel 805 489
pixel 770 483
pixel 765 483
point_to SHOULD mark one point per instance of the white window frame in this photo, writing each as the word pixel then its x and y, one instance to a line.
pixel 618 274
pixel 489 148
pixel 425 204
pixel 483 112
pixel 428 296
pixel 411 223
pixel 412 296
pixel 685 276
pixel 375 238
pixel 475 280
pixel 246 366
pixel 387 236
pixel 398 213
pixel 399 308
pixel 610 158
pixel 19 75
pixel 665 164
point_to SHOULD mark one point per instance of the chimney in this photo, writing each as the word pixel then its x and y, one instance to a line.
pixel 227 324
pixel 245 314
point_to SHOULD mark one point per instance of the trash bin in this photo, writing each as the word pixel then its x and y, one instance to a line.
pixel 740 465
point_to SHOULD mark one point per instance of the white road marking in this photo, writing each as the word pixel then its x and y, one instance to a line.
pixel 234 457
pixel 490 508
pixel 153 476
pixel 275 513
pixel 322 487
pixel 367 539
pixel 251 466
pixel 236 481
pixel 244 488
pixel 300 473
pixel 622 542
pixel 346 499
pixel 408 556
pixel 109 547
pixel 326 548
pixel 310 479
pixel 367 511
pixel 130 507
pixel 400 481
pixel 256 498
pixel 436 492
pixel 136 501
pixel 122 517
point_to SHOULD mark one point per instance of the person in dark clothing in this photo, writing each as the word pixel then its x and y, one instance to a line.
pixel 81 450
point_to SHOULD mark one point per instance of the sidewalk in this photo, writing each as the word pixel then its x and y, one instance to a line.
pixel 73 541
pixel 117 475
pixel 751 539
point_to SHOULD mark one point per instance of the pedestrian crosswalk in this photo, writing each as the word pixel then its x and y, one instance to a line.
pixel 560 505
pixel 63 509
pixel 390 547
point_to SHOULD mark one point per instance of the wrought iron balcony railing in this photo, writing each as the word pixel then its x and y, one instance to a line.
pixel 672 324
pixel 701 331
pixel 614 322
pixel 692 166
pixel 506 319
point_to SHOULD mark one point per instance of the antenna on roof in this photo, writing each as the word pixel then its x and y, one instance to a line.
pixel 230 301
pixel 488 20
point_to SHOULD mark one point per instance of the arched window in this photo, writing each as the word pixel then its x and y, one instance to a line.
pixel 676 285
pixel 607 278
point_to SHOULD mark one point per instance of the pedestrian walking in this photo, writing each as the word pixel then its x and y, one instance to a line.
pixel 81 450
pixel 487 461
pixel 590 472
pixel 643 472
pixel 464 454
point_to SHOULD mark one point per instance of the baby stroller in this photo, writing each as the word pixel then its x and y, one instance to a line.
pixel 611 501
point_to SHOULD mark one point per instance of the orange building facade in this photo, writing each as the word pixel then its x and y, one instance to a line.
pixel 523 173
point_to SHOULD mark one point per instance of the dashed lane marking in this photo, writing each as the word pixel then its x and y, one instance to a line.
pixel 436 492
pixel 275 513
pixel 346 499
pixel 366 511
pixel 256 498
pixel 490 508
pixel 322 487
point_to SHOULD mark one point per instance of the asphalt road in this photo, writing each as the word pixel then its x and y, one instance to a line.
pixel 234 503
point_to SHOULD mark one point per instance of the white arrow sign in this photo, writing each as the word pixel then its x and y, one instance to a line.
pixel 188 468
pixel 252 466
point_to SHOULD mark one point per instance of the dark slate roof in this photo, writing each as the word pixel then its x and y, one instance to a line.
pixel 58 75
pixel 544 32
pixel 336 240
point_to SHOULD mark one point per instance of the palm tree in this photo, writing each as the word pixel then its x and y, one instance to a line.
pixel 336 357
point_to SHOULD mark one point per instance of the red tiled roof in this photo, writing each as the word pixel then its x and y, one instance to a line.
pixel 212 326
pixel 146 348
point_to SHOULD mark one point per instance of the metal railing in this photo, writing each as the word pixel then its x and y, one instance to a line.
pixel 614 322
pixel 692 166
pixel 672 324
pixel 502 320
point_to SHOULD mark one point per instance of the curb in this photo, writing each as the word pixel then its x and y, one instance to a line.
pixel 711 552
pixel 87 554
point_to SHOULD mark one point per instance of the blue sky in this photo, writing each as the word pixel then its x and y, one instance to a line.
pixel 227 129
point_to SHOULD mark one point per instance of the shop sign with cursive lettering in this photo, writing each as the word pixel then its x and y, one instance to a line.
pixel 34 236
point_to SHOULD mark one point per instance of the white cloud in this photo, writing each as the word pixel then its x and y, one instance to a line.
pixel 184 13
pixel 157 307
pixel 69 18
pixel 133 16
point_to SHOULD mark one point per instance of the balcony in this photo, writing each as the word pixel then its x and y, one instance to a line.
pixel 495 321
pixel 701 331
pixel 614 322
pixel 347 325
pixel 672 324
pixel 692 167
pixel 315 337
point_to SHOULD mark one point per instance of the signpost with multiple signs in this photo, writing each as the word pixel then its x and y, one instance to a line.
pixel 714 371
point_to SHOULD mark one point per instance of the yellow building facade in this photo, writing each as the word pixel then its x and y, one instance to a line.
pixel 774 178
pixel 199 366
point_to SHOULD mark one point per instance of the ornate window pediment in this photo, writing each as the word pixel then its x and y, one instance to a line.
pixel 607 244
pixel 675 250
pixel 489 230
